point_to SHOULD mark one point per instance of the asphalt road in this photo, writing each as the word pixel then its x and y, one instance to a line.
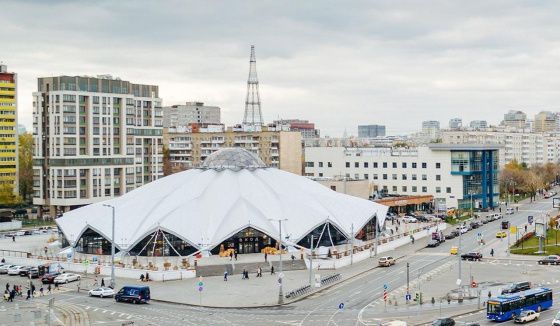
pixel 357 294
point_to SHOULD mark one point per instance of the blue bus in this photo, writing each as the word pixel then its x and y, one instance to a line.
pixel 508 306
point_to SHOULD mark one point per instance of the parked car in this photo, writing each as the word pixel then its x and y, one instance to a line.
pixel 386 261
pixel 516 287
pixel 556 320
pixel 4 269
pixel 463 229
pixel 505 225
pixel 510 211
pixel 527 316
pixel 134 294
pixel 25 271
pixel 443 322
pixel 66 277
pixel 101 292
pixel 550 260
pixel 49 278
pixel 34 272
pixel 410 219
pixel 501 234
pixel 452 235
pixel 432 243
pixel 472 256
pixel 15 270
pixel 454 250
pixel 474 225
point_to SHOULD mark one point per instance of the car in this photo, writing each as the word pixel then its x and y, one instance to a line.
pixel 505 225
pixel 516 287
pixel 432 243
pixel 452 235
pixel 66 277
pixel 15 270
pixel 510 211
pixel 134 294
pixel 527 316
pixel 454 250
pixel 4 269
pixel 550 260
pixel 472 256
pixel 386 261
pixel 33 272
pixel 27 232
pixel 474 225
pixel 443 322
pixel 49 278
pixel 501 234
pixel 463 229
pixel 101 292
pixel 556 320
pixel 410 219
pixel 25 271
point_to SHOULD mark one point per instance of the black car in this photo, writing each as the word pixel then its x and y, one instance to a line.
pixel 443 322
pixel 517 287
pixel 452 235
pixel 134 294
pixel 24 271
pixel 472 256
pixel 505 225
pixel 49 278
pixel 432 243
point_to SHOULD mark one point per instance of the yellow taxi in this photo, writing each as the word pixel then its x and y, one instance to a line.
pixel 454 250
pixel 501 234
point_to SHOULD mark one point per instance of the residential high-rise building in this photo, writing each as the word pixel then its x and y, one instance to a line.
pixel 191 112
pixel 455 123
pixel 515 119
pixel 8 129
pixel 94 138
pixel 371 131
pixel 478 124
pixel 545 121
pixel 189 146
pixel 306 128
pixel 430 129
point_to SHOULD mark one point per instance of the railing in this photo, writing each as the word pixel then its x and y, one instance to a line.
pixel 307 288
pixel 15 253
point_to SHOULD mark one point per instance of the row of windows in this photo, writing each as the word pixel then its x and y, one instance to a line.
pixel 385 176
pixel 404 189
pixel 385 165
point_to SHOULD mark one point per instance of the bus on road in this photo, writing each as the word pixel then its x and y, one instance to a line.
pixel 508 306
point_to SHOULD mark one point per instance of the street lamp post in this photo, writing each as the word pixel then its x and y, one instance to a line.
pixel 112 245
pixel 280 275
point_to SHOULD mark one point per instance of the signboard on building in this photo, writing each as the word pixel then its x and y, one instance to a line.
pixel 539 229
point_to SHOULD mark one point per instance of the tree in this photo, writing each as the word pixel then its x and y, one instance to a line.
pixel 166 162
pixel 25 166
pixel 532 183
pixel 7 195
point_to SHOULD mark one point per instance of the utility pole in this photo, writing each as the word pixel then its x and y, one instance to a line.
pixel 459 294
pixel 407 279
pixel 311 263
pixel 280 275
pixel 112 245
pixel 352 244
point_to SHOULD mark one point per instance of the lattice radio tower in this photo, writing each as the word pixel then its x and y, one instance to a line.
pixel 253 115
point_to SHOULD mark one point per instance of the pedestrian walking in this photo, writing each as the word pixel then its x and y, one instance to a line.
pixel 235 255
pixel 49 289
pixel 500 209
pixel 41 293
pixel 265 256
pixel 517 209
pixel 147 276
pixel 225 275
pixel 8 286
pixel 12 295
pixel 13 238
pixel 56 286
pixel 392 232
pixel 3 261
pixel 243 274
pixel 102 282
pixel 492 252
pixel 231 255
pixel 247 274
pixel 271 269
pixel 28 294
pixel 397 228
pixel 525 228
pixel 259 272
pixel 33 290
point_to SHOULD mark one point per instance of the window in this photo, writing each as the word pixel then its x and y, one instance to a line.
pixel 374 176
pixel 384 177
pixel 404 189
pixel 384 165
pixel 394 165
pixel 309 164
pixel 438 190
pixel 424 165
pixel 403 165
pixel 366 176
pixel 424 177
pixel 375 164
pixel 394 188
pixel 347 164
pixel 414 189
pixel 394 177
pixel 329 164
pixel 424 189
pixel 356 164
pixel 438 177
pixel 366 165
pixel 414 177
pixel 414 165
pixel 320 164
pixel 404 176
pixel 356 176
pixel 438 165
pixel 333 188
pixel 320 174
pixel 448 190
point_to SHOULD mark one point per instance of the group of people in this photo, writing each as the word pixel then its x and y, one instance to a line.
pixel 245 273
pixel 17 290
pixel 233 254
pixel 145 278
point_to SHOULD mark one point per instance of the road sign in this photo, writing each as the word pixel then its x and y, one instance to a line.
pixel 513 230
pixel 408 297
pixel 200 283
pixel 385 286
pixel 530 219
pixel 200 288
pixel 458 281
pixel 473 284
pixel 341 306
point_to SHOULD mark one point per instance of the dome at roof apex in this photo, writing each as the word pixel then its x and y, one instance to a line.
pixel 232 158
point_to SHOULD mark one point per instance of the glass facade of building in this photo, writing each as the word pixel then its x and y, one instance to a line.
pixel 479 169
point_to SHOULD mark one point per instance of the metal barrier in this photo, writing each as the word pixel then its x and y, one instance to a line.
pixel 307 288
pixel 14 253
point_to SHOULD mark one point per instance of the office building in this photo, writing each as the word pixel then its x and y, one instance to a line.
pixel 478 124
pixel 8 129
pixel 515 119
pixel 371 131
pixel 455 123
pixel 451 173
pixel 188 147
pixel 545 121
pixel 430 129
pixel 306 128
pixel 95 138
pixel 191 112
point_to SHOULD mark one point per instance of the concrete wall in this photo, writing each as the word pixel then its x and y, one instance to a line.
pixel 356 188
pixel 13 225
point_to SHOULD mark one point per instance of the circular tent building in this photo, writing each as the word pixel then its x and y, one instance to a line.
pixel 233 201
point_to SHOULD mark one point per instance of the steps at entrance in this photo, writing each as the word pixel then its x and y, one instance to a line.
pixel 218 270
pixel 288 265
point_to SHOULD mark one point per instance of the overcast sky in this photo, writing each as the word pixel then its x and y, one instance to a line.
pixel 338 64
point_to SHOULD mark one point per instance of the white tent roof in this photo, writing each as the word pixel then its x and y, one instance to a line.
pixel 207 206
